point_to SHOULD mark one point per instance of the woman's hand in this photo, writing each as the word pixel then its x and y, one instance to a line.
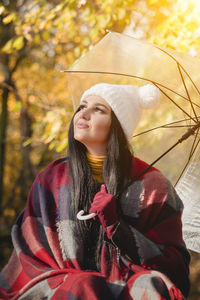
pixel 104 205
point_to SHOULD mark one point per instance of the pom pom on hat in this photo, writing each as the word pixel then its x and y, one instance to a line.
pixel 149 96
pixel 127 101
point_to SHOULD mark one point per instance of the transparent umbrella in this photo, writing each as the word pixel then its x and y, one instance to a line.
pixel 121 59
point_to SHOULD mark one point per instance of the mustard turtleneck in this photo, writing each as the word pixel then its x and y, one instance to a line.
pixel 96 164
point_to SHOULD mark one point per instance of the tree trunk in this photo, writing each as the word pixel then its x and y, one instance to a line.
pixel 3 126
pixel 29 170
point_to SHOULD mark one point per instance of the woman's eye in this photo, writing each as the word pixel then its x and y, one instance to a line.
pixel 99 109
pixel 81 107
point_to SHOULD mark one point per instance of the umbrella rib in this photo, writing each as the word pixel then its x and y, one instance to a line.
pixel 132 76
pixel 190 156
pixel 177 126
pixel 183 80
pixel 159 127
pixel 123 74
pixel 167 125
pixel 190 132
pixel 193 148
pixel 181 67
pixel 185 98
pixel 177 105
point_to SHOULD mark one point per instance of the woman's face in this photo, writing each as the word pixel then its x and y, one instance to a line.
pixel 92 124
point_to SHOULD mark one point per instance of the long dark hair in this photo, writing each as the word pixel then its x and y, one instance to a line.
pixel 116 173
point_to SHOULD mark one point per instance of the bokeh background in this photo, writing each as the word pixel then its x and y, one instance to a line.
pixel 37 40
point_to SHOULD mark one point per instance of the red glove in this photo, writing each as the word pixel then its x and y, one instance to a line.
pixel 104 205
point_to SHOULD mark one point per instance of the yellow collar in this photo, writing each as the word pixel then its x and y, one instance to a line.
pixel 96 164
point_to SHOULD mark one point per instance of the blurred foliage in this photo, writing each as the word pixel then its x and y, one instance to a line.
pixel 40 38
pixel 180 30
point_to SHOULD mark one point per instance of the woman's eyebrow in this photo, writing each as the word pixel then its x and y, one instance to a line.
pixel 100 104
pixel 96 103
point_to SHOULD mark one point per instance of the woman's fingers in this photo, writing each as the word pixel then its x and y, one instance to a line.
pixel 103 188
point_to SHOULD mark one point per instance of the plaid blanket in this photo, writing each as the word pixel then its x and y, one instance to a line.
pixel 48 253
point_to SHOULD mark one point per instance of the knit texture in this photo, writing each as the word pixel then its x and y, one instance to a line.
pixel 127 101
pixel 96 164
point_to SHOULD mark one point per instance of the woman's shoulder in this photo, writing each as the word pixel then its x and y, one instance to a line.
pixel 56 172
pixel 154 185
pixel 142 170
pixel 150 179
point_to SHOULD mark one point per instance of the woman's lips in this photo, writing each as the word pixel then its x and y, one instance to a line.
pixel 82 125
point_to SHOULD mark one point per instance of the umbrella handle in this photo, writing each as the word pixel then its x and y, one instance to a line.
pixel 86 217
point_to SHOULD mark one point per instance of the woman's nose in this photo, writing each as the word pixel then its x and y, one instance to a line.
pixel 85 114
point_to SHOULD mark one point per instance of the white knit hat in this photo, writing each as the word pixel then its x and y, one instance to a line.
pixel 126 101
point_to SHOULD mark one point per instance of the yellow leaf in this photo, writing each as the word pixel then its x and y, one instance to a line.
pixel 2 9
pixel 51 15
pixel 27 142
pixel 52 145
pixel 18 43
pixel 17 106
pixel 72 4
pixel 86 41
pixel 121 14
pixel 61 146
pixel 50 117
pixel 56 126
pixel 59 7
pixel 182 47
pixel 8 212
pixel 37 39
pixel 104 20
pixel 94 33
pixel 152 2
pixel 77 51
pixel 192 26
pixel 8 47
pixel 9 18
pixel 46 35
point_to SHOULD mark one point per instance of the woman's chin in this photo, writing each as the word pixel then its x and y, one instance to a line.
pixel 80 138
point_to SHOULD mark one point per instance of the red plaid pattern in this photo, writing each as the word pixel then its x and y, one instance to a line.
pixel 48 253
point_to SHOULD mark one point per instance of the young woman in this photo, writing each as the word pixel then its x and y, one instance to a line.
pixel 133 247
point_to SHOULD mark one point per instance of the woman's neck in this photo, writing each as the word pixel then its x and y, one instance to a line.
pixel 96 149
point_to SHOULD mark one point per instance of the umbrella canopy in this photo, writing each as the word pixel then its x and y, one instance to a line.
pixel 121 59
pixel 188 188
